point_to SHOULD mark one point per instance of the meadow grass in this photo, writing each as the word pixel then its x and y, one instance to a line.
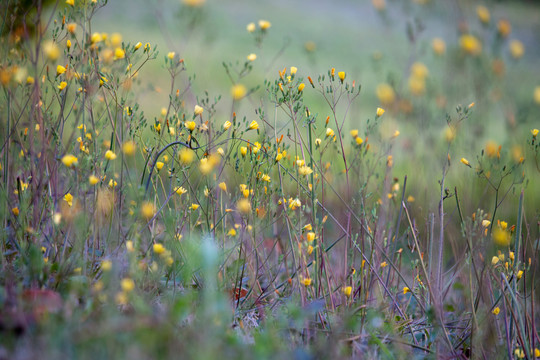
pixel 196 179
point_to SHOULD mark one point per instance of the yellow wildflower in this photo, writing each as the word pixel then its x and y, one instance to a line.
pixel 483 14
pixel 148 210
pixel 380 112
pixel 470 44
pixel 496 311
pixel 252 57
pixel 243 206
pixel 198 110
pixel 253 125
pixel 516 49
pixel 504 27
pixel 119 53
pixel 406 290
pixel 93 180
pixel 264 24
pixel 186 156
pixel 223 186
pixel 69 199
pixel 129 148
pixel 190 125
pixel 69 160
pixel 238 91
pixel 109 155
pixel 127 285
pixel 347 290
pixel 159 248
pixel 60 70
pixel 385 93
pixel 439 46
pixel 250 27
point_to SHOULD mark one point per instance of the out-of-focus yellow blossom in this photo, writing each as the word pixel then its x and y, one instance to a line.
pixel 419 70
pixel 129 148
pixel 159 165
pixel 466 162
pixel 93 180
pixel 380 112
pixel 516 49
pixel 306 282
pixel 483 14
pixel 304 170
pixel 329 132
pixel 127 285
pixel 159 248
pixel 439 46
pixel 494 260
pixel 385 93
pixel 504 27
pixel 251 27
pixel 264 24
pixel 62 85
pixel 238 91
pixel 109 155
pixel 148 210
pixel 294 204
pixel 501 237
pixel 379 5
pixel 243 150
pixel 51 50
pixel 119 53
pixel 534 132
pixel 341 75
pixel 496 311
pixel 347 290
pixel 71 28
pixel 69 160
pixel 244 206
pixel 194 3
pixel 470 44
pixel 190 125
pixel 186 156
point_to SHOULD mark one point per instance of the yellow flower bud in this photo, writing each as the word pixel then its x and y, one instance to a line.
pixel 198 110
